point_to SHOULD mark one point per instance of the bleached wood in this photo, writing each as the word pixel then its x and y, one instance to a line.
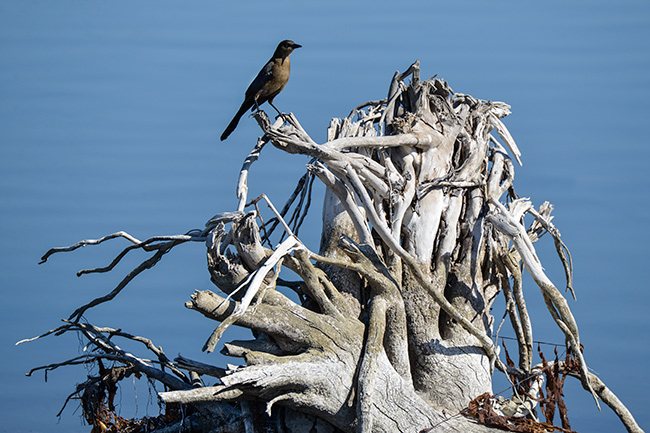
pixel 392 330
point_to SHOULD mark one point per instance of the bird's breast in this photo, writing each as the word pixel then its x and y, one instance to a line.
pixel 277 80
pixel 281 70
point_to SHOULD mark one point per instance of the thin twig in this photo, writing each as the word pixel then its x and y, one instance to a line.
pixel 147 264
pixel 86 242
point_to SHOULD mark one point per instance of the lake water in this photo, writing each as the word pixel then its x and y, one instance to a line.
pixel 110 114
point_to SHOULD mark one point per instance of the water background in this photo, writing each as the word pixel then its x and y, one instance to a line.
pixel 110 114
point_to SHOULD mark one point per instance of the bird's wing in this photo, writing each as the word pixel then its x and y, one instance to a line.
pixel 262 78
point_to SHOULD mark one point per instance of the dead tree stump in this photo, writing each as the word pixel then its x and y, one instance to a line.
pixel 422 231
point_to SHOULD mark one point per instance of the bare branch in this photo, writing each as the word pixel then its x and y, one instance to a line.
pixel 86 242
pixel 242 187
pixel 147 264
pixel 555 302
pixel 110 351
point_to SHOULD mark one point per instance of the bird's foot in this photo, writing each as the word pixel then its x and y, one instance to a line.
pixel 284 117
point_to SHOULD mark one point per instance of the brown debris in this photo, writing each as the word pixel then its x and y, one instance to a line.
pixel 97 402
pixel 554 388
pixel 482 409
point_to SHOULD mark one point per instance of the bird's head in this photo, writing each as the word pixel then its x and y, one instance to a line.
pixel 285 48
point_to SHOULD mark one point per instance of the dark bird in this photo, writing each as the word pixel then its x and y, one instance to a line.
pixel 269 82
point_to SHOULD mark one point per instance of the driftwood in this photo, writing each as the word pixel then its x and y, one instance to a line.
pixel 422 230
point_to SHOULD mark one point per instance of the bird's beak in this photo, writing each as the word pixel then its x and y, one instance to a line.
pixel 296 46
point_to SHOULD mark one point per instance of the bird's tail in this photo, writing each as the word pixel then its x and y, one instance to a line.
pixel 235 120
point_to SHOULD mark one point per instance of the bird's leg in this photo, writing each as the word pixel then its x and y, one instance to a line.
pixel 276 109
pixel 279 113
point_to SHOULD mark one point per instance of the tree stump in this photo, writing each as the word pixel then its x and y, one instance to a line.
pixel 388 328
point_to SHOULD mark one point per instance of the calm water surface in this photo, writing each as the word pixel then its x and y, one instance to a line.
pixel 110 115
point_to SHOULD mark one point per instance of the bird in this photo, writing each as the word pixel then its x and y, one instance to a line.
pixel 269 82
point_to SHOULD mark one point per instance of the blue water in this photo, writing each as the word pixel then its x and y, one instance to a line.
pixel 110 114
